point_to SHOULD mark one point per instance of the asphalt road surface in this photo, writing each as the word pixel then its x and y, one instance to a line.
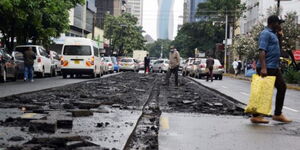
pixel 18 87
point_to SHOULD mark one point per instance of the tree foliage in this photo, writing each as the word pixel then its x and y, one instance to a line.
pixel 36 20
pixel 200 35
pixel 218 8
pixel 125 36
pixel 155 48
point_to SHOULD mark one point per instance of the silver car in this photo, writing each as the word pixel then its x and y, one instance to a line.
pixel 218 69
pixel 188 66
pixel 161 66
pixel 129 64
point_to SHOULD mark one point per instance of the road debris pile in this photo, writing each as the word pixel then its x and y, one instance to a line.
pixel 192 97
pixel 63 117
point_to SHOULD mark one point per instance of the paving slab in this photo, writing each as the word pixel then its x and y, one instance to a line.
pixel 182 131
pixel 110 130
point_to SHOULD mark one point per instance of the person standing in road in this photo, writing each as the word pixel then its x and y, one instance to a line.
pixel 268 65
pixel 235 67
pixel 210 66
pixel 147 64
pixel 29 57
pixel 174 61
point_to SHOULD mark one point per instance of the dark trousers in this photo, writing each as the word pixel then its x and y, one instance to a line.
pixel 28 72
pixel 145 68
pixel 280 86
pixel 170 71
pixel 210 74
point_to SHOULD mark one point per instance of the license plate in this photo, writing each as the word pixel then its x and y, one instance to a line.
pixel 126 64
pixel 76 61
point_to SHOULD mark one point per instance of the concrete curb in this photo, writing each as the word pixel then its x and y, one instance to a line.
pixel 289 86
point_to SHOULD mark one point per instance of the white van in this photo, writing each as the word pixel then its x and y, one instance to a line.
pixel 42 63
pixel 80 56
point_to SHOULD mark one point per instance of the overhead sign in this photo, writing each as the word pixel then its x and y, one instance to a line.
pixel 297 55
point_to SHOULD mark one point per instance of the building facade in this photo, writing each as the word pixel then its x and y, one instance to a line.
pixel 113 7
pixel 135 7
pixel 257 11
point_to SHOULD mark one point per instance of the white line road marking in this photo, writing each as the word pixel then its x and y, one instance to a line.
pixel 291 109
pixel 224 87
pixel 244 93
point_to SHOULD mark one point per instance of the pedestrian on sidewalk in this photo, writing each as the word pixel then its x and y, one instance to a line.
pixel 239 67
pixel 210 66
pixel 235 66
pixel 29 57
pixel 268 65
pixel 174 62
pixel 147 64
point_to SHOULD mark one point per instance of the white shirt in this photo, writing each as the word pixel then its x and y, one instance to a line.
pixel 235 64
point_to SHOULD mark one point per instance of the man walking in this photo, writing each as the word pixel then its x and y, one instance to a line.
pixel 147 64
pixel 235 67
pixel 268 65
pixel 29 57
pixel 210 66
pixel 174 61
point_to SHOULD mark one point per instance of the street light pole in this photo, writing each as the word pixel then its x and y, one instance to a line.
pixel 278 7
pixel 225 48
pixel 161 53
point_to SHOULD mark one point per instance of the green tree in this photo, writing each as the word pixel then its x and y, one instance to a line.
pixel 155 48
pixel 123 33
pixel 200 35
pixel 36 20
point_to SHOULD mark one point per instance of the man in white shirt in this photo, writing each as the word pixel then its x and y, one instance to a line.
pixel 235 66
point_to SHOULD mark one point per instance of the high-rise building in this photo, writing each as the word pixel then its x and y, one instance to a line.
pixel 113 7
pixel 257 11
pixel 165 19
pixel 82 19
pixel 193 9
pixel 186 11
pixel 135 7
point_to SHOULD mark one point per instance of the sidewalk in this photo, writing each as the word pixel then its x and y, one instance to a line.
pixel 241 77
pixel 181 131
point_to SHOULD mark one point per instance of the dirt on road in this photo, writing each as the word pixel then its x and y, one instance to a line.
pixel 56 118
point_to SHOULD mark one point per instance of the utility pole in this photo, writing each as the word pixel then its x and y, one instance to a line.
pixel 225 48
pixel 278 7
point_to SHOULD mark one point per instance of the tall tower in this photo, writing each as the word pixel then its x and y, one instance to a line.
pixel 165 21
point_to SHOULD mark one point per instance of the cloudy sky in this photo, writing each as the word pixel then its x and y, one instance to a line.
pixel 150 12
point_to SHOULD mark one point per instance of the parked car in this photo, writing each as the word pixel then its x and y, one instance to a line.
pixel 116 64
pixel 141 65
pixel 217 71
pixel 161 65
pixel 110 64
pixel 103 66
pixel 129 64
pixel 42 63
pixel 187 67
pixel 152 61
pixel 19 60
pixel 80 56
pixel 8 67
pixel 182 63
pixel 55 63
pixel 194 67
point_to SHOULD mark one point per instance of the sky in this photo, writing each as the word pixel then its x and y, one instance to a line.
pixel 150 16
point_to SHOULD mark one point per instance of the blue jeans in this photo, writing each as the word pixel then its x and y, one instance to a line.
pixel 28 72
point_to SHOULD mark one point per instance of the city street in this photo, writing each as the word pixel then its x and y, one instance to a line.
pixel 134 111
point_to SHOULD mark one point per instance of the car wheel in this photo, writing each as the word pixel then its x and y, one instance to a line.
pixel 64 75
pixel 93 75
pixel 3 77
pixel 41 74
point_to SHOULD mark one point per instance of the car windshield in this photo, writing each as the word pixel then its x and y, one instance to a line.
pixel 107 59
pixel 114 60
pixel 196 62
pixel 77 50
pixel 22 49
pixel 126 60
